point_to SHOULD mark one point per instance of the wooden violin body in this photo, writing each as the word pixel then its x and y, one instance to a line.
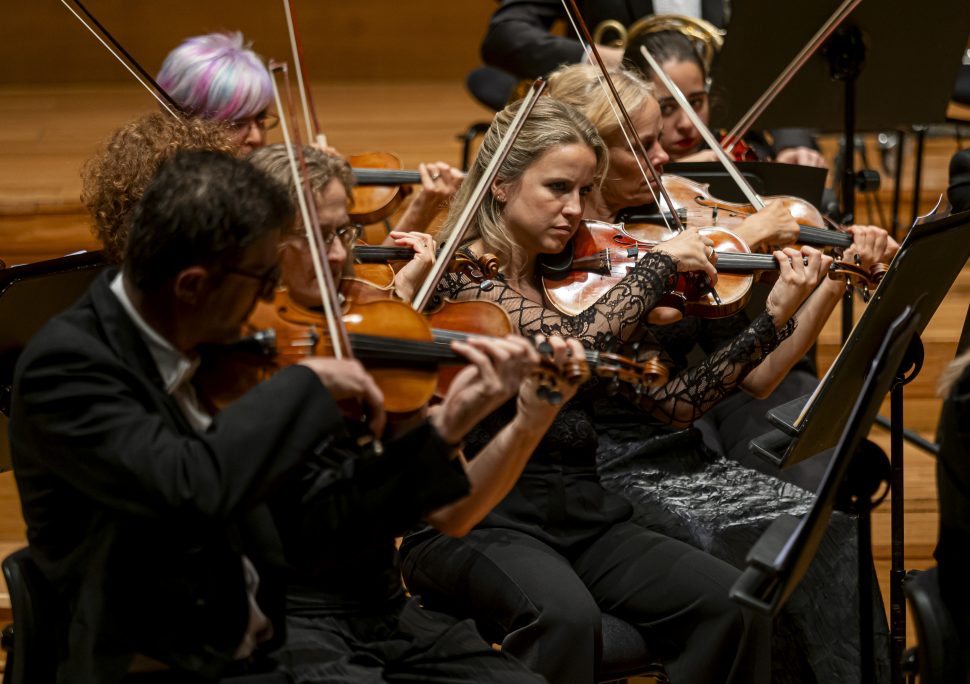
pixel 696 207
pixel 603 254
pixel 374 203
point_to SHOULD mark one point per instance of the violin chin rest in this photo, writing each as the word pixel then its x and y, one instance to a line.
pixel 557 266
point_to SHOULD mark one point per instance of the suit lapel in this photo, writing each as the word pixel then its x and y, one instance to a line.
pixel 120 333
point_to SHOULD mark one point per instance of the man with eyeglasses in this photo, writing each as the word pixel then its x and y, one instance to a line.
pixel 145 512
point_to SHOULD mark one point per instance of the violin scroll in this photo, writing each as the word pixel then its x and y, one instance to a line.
pixel 485 267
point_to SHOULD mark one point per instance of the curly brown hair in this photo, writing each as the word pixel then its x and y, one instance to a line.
pixel 114 179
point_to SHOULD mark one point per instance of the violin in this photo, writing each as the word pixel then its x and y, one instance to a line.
pixel 696 206
pixel 371 263
pixel 601 254
pixel 450 320
pixel 376 198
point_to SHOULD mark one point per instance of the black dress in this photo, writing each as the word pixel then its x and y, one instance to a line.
pixel 560 548
pixel 697 485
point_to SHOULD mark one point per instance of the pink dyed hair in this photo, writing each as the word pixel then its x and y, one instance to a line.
pixel 217 76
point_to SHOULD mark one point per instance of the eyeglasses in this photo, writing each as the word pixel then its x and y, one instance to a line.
pixel 348 234
pixel 267 281
pixel 264 121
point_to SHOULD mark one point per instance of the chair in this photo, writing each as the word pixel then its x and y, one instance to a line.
pixel 30 641
pixel 938 651
pixel 626 654
pixel 29 658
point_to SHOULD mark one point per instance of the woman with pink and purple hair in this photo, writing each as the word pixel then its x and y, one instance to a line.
pixel 217 76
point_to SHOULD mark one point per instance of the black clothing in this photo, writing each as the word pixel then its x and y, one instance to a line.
pixel 541 592
pixel 401 643
pixel 346 617
pixel 959 190
pixel 953 482
pixel 519 43
pixel 680 489
pixel 338 569
pixel 559 548
pixel 729 427
pixel 518 39
pixel 135 518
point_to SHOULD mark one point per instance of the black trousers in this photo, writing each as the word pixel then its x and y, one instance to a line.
pixel 545 603
pixel 410 645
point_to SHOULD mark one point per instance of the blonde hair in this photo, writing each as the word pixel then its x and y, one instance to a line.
pixel 551 124
pixel 952 373
pixel 579 85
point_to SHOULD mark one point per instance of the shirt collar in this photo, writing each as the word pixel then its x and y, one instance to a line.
pixel 174 367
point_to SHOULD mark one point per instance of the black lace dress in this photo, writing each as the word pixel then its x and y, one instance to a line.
pixel 678 487
pixel 560 500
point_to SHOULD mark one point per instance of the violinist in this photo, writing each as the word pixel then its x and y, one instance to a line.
pixel 135 498
pixel 680 59
pixel 216 76
pixel 625 187
pixel 146 512
pixel 331 179
pixel 710 467
pixel 344 596
pixel 561 549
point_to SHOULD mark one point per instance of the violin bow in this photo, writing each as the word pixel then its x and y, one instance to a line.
pixel 810 234
pixel 296 48
pixel 744 124
pixel 125 58
pixel 705 132
pixel 623 117
pixel 447 250
pixel 308 212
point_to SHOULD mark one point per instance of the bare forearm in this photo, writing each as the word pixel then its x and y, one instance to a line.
pixel 811 318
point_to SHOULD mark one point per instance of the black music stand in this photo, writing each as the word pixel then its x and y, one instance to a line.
pixel 941 248
pixel 767 178
pixel 854 82
pixel 29 296
pixel 855 475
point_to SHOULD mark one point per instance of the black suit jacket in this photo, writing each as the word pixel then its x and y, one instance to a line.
pixel 136 519
pixel 518 39
pixel 953 482
pixel 518 42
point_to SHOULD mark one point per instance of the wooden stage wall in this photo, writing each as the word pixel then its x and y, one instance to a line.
pixel 41 42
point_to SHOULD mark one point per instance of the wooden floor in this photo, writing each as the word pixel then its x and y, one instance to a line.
pixel 48 132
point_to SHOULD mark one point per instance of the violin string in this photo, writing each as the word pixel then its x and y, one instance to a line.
pixel 155 90
pixel 622 116
pixel 446 337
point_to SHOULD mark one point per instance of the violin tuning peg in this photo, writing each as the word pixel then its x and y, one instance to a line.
pixel 544 348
